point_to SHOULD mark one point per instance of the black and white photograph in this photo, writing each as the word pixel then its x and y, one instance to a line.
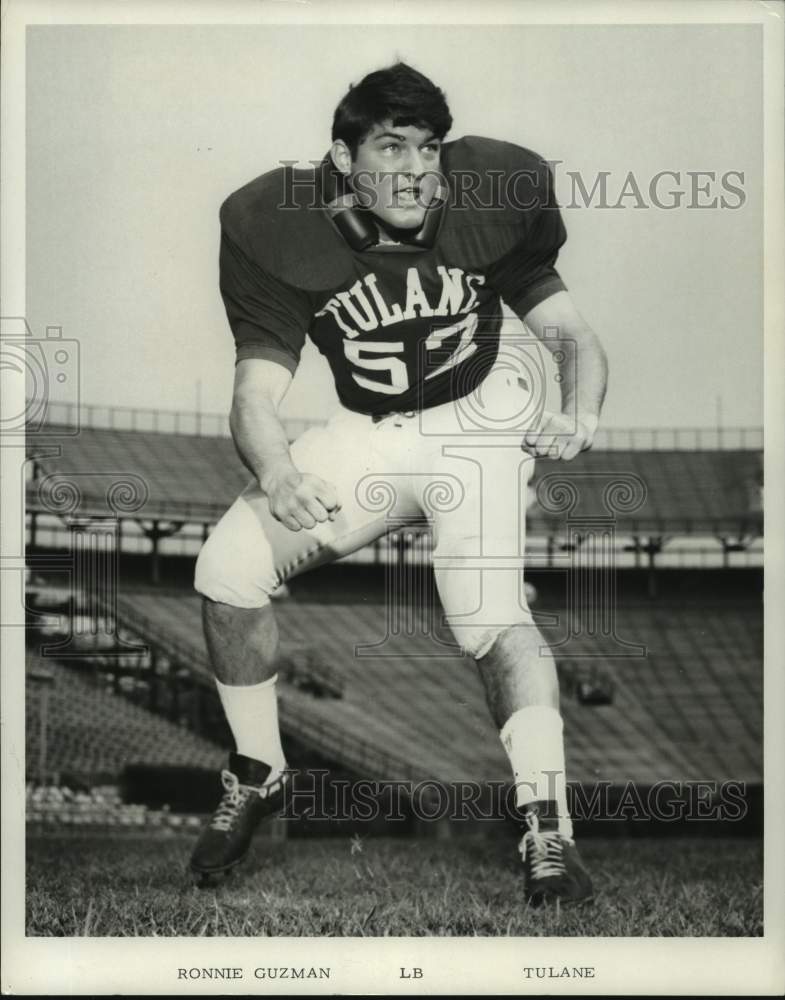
pixel 392 407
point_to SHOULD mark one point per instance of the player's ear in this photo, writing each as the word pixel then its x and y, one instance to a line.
pixel 341 156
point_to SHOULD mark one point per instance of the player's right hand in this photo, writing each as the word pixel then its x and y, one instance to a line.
pixel 559 436
pixel 299 500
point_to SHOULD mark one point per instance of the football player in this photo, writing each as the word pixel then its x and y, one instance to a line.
pixel 392 255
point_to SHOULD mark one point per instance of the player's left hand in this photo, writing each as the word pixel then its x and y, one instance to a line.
pixel 559 436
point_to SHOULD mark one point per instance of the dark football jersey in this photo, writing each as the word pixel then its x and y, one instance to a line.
pixel 403 326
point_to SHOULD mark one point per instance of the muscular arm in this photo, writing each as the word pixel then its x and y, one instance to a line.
pixel 298 500
pixel 584 370
pixel 259 388
pixel 584 378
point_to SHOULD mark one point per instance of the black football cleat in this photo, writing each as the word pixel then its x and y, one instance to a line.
pixel 246 801
pixel 553 870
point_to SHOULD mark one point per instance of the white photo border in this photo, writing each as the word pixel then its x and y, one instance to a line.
pixel 361 966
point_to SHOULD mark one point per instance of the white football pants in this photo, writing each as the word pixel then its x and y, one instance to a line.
pixel 460 464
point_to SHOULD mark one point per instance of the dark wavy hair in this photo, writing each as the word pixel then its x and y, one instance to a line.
pixel 399 94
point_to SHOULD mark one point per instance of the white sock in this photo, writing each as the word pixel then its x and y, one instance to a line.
pixel 252 714
pixel 534 743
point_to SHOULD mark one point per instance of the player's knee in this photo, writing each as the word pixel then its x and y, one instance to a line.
pixel 479 640
pixel 235 566
pixel 480 604
pixel 483 641
pixel 478 637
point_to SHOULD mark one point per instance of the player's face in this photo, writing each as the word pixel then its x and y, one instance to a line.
pixel 395 173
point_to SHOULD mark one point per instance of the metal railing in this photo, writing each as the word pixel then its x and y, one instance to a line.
pixel 166 509
pixel 153 421
pixel 157 421
pixel 679 439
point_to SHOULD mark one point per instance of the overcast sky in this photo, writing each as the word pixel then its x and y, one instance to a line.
pixel 136 134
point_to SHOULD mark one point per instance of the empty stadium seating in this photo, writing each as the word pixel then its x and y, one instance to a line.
pixel 92 733
pixel 196 478
pixel 412 708
pixel 186 477
pixel 683 491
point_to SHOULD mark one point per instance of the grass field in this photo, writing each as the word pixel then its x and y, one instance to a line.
pixel 137 886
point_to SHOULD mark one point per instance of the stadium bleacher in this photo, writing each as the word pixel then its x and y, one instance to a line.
pixel 413 708
pixel 196 478
pixel 685 491
pixel 93 733
pixel 416 709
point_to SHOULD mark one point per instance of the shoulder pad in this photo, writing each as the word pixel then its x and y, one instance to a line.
pixel 279 222
pixel 473 152
pixel 495 188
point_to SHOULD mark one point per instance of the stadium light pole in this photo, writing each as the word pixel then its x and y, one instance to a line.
pixel 719 420
pixel 199 406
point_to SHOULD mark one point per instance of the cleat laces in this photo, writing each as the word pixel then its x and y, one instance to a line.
pixel 236 795
pixel 234 798
pixel 544 850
